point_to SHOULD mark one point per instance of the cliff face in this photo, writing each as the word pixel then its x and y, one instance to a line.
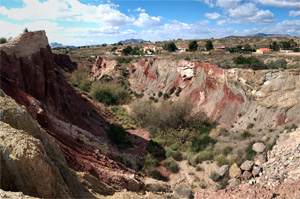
pixel 33 79
pixel 30 76
pixel 234 97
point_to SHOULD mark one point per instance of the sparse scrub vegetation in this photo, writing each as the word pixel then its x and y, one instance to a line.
pixel 214 176
pixel 3 40
pixel 80 78
pixel 111 93
pixel 117 134
pixel 171 165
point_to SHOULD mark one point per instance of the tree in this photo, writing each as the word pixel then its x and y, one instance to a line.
pixel 171 47
pixel 25 30
pixel 127 50
pixel 275 46
pixel 193 45
pixel 209 45
pixel 247 46
pixel 3 40
pixel 113 49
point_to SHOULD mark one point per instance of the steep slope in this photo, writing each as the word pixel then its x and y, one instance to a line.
pixel 31 161
pixel 31 77
pixel 234 97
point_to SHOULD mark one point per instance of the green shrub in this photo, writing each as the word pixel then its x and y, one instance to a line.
pixel 246 134
pixel 117 134
pixel 155 149
pixel 171 165
pixel 221 160
pixel 201 141
pixel 177 156
pixel 114 92
pixel 178 91
pixel 169 153
pixel 152 172
pixel 104 96
pixel 227 149
pixel 150 162
pixel 80 78
pixel 3 40
pixel 175 146
pixel 214 176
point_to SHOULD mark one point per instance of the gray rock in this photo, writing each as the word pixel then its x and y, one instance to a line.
pixel 247 175
pixel 235 171
pixel 259 160
pixel 223 170
pixel 256 170
pixel 259 147
pixel 233 182
pixel 247 165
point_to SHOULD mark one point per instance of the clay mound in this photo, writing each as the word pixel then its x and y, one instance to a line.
pixel 233 97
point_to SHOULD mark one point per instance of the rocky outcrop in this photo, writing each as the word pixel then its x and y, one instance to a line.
pixel 233 97
pixel 33 79
pixel 103 67
pixel 31 161
pixel 64 62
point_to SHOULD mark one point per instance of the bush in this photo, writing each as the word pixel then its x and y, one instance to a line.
pixel 104 96
pixel 246 134
pixel 117 134
pixel 155 149
pixel 221 160
pixel 80 78
pixel 171 165
pixel 202 140
pixel 214 176
pixel 110 93
pixel 3 40
pixel 152 172
pixel 193 45
pixel 227 149
pixel 150 162
pixel 177 156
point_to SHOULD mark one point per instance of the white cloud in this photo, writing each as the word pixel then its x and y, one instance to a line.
pixel 249 13
pixel 140 10
pixel 145 21
pixel 246 10
pixel 71 10
pixel 294 13
pixel 228 3
pixel 214 15
pixel 222 23
pixel 281 3
pixel 203 22
pixel 263 17
pixel 208 2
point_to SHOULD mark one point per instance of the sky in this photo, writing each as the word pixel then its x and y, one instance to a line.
pixel 89 22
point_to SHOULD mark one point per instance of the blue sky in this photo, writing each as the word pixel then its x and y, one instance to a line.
pixel 86 22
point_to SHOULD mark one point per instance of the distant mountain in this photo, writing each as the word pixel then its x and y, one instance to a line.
pixel 56 45
pixel 261 35
pixel 127 41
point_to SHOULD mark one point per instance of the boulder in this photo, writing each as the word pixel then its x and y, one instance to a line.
pixel 256 170
pixel 247 175
pixel 259 147
pixel 233 182
pixel 247 165
pixel 259 160
pixel 235 171
pixel 223 170
pixel 156 186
